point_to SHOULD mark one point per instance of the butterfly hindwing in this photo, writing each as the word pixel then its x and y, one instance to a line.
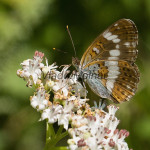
pixel 119 78
pixel 122 80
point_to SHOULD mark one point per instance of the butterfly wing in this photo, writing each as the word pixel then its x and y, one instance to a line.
pixel 111 56
pixel 115 80
pixel 119 41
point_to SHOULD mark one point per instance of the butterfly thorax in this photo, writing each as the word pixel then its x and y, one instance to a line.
pixel 76 63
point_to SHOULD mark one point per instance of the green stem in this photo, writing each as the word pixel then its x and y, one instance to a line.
pixel 59 130
pixel 50 134
pixel 62 135
pixel 55 140
pixel 52 139
pixel 60 148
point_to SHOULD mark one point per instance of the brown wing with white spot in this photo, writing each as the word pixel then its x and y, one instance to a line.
pixel 120 78
pixel 118 42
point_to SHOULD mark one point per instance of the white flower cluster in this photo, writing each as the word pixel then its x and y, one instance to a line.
pixel 31 69
pixel 61 98
pixel 97 130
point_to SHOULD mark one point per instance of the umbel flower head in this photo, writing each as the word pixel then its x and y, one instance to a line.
pixel 61 98
pixel 97 130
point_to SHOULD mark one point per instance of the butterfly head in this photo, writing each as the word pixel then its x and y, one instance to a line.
pixel 75 62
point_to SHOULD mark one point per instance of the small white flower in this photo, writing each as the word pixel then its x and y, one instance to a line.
pixel 78 102
pixel 47 69
pixel 92 143
pixel 73 78
pixel 119 137
pixel 112 109
pixel 52 113
pixel 93 123
pixel 81 102
pixel 49 83
pixel 32 69
pixel 78 120
pixel 64 117
pixel 39 100
pixel 62 83
pixel 73 143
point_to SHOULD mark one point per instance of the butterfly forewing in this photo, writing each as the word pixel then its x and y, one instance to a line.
pixel 119 41
pixel 111 57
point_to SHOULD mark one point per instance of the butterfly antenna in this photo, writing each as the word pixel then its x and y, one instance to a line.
pixel 71 40
pixel 59 50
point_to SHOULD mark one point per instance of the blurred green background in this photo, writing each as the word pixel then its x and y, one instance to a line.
pixel 26 26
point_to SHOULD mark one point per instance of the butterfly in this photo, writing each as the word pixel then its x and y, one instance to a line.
pixel 108 65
